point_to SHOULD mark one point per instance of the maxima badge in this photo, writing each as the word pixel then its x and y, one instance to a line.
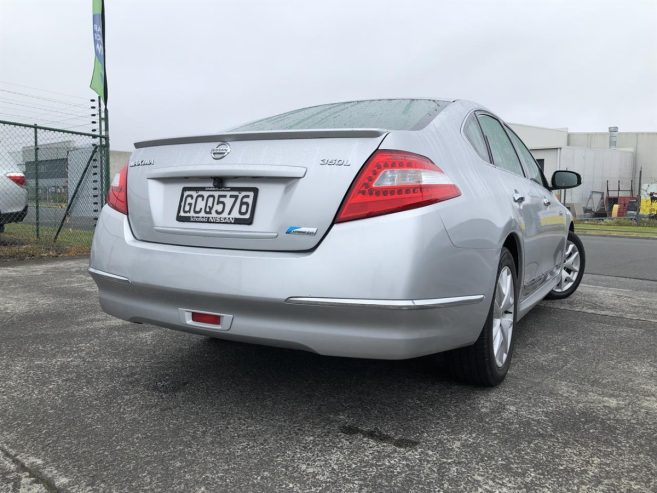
pixel 298 230
pixel 221 151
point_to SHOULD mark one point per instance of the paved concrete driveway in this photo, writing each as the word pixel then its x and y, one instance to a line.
pixel 90 403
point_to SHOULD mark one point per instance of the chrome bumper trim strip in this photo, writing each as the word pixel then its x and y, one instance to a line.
pixel 108 275
pixel 388 304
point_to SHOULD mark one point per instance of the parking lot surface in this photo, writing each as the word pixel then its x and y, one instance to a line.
pixel 91 403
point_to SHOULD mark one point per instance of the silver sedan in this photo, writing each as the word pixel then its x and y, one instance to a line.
pixel 383 229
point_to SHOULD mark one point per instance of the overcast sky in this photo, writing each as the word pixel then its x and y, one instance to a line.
pixel 191 66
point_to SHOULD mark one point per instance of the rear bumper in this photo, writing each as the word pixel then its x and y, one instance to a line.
pixel 13 217
pixel 344 299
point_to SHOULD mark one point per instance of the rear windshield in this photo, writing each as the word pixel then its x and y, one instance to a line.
pixel 390 114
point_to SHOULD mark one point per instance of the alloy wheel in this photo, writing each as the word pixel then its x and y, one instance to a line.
pixel 570 268
pixel 503 315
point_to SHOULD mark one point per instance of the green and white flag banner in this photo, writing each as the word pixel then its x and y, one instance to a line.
pixel 99 77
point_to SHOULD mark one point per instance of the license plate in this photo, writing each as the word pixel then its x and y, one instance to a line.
pixel 217 205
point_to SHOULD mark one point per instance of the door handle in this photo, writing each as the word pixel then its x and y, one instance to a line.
pixel 517 198
pixel 546 201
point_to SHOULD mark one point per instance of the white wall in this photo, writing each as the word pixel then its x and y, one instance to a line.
pixel 644 145
pixel 596 167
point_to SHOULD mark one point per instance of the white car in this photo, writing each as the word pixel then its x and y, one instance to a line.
pixel 13 197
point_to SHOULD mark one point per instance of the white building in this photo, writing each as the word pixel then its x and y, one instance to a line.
pixel 642 144
pixel 631 166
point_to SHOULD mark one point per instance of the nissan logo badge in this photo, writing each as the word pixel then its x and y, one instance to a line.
pixel 221 151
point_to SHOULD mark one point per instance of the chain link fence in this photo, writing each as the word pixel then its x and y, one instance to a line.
pixel 52 187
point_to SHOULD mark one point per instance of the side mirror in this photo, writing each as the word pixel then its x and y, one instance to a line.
pixel 565 179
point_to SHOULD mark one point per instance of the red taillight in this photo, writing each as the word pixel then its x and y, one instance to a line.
pixel 206 318
pixel 17 178
pixel 393 181
pixel 117 196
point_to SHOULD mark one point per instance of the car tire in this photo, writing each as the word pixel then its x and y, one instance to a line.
pixel 575 262
pixel 480 364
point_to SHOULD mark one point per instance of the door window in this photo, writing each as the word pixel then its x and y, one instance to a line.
pixel 533 171
pixel 504 155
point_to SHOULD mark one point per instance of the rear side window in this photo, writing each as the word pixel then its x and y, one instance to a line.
pixel 504 155
pixel 390 114
pixel 473 134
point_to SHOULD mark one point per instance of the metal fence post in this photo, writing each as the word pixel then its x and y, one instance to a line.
pixel 36 176
pixel 106 168
pixel 106 172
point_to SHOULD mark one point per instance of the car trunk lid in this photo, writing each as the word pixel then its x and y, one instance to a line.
pixel 296 181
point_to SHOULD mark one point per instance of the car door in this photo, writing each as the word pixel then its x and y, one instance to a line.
pixel 553 226
pixel 516 189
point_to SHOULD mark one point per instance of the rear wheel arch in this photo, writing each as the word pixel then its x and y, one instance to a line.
pixel 512 243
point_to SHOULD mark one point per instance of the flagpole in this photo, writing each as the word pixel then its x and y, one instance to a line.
pixel 106 168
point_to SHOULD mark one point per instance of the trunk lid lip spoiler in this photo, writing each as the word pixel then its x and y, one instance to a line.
pixel 331 133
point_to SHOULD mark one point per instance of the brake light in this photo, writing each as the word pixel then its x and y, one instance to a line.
pixel 17 178
pixel 393 181
pixel 117 196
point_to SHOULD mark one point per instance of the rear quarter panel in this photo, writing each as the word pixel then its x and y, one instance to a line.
pixel 482 217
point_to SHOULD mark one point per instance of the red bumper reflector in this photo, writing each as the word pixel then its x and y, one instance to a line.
pixel 206 318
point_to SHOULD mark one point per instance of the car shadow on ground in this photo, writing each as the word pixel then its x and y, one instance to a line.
pixel 211 362
pixel 265 382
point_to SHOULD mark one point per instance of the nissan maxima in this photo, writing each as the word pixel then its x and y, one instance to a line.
pixel 384 229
